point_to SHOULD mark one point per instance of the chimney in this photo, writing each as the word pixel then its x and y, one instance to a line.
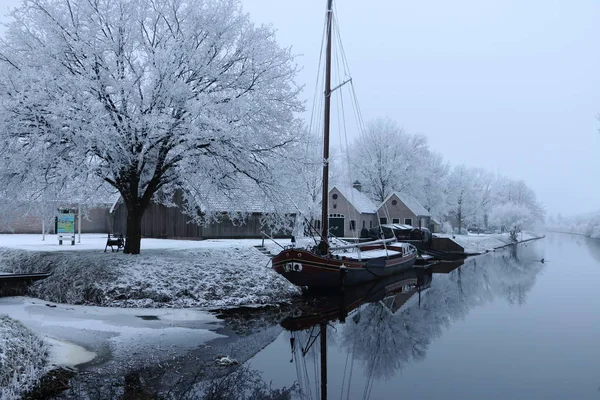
pixel 356 185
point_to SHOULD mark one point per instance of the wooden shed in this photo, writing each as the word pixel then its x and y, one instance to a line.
pixel 164 222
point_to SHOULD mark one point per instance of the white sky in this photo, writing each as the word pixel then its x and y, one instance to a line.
pixel 512 86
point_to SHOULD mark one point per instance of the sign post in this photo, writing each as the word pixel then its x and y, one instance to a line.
pixel 79 222
pixel 65 227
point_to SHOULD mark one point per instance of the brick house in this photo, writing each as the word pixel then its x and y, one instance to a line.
pixel 350 210
pixel 402 208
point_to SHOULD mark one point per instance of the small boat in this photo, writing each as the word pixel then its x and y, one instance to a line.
pixel 445 255
pixel 325 266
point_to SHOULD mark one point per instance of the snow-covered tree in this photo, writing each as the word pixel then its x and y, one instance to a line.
pixel 463 194
pixel 485 196
pixel 387 159
pixel 514 205
pixel 432 193
pixel 147 97
pixel 513 217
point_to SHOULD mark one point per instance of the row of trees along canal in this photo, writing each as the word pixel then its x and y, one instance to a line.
pixel 394 160
pixel 143 99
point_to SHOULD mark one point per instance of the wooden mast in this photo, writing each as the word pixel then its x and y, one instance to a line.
pixel 324 245
pixel 323 337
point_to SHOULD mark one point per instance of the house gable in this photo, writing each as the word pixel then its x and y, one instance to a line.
pixel 404 209
pixel 356 209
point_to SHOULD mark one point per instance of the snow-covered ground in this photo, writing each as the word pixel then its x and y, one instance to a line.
pixel 97 242
pixel 23 358
pixel 480 243
pixel 76 335
pixel 169 273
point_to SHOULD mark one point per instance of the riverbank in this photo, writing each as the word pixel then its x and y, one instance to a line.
pixel 210 274
pixel 23 358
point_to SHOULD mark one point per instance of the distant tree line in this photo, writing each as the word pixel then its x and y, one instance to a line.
pixel 388 159
pixel 584 224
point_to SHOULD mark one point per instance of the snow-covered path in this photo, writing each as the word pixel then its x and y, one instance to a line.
pixel 80 334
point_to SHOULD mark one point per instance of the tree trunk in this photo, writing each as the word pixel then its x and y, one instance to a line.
pixel 133 237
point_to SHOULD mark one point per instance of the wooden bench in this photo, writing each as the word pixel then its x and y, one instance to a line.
pixel 115 239
pixel 69 237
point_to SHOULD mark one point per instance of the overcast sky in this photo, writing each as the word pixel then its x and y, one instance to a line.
pixel 512 86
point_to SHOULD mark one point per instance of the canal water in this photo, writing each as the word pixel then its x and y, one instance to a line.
pixel 504 325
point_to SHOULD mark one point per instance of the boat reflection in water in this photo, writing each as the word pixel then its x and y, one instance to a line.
pixel 309 324
pixel 394 290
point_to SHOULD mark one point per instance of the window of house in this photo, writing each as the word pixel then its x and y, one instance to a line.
pixel 352 225
pixel 317 225
pixel 370 224
pixel 408 221
pixel 334 196
pixel 394 202
pixel 395 220
pixel 382 221
pixel 364 224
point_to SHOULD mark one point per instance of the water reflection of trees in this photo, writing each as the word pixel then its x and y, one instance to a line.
pixel 385 342
pixel 593 246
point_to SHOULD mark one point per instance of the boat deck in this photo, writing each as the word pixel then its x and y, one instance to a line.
pixel 367 254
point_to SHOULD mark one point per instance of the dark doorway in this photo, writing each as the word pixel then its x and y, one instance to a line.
pixel 336 226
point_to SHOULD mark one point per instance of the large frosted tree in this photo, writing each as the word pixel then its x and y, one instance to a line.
pixel 147 97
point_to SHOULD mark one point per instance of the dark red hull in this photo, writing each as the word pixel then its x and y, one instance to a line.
pixel 304 268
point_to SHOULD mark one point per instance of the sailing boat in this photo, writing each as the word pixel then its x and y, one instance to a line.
pixel 325 266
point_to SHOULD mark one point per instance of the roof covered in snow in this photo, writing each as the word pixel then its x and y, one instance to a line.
pixel 402 227
pixel 242 199
pixel 410 202
pixel 357 199
pixel 245 200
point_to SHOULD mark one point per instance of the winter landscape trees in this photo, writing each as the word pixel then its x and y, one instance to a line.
pixel 387 159
pixel 145 97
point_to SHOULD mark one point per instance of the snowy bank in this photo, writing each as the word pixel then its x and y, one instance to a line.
pixel 81 334
pixel 23 358
pixel 481 243
pixel 586 225
pixel 181 274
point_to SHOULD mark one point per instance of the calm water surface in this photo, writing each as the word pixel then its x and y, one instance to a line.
pixel 501 326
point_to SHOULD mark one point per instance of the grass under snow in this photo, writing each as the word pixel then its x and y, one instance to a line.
pixel 201 277
pixel 23 356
